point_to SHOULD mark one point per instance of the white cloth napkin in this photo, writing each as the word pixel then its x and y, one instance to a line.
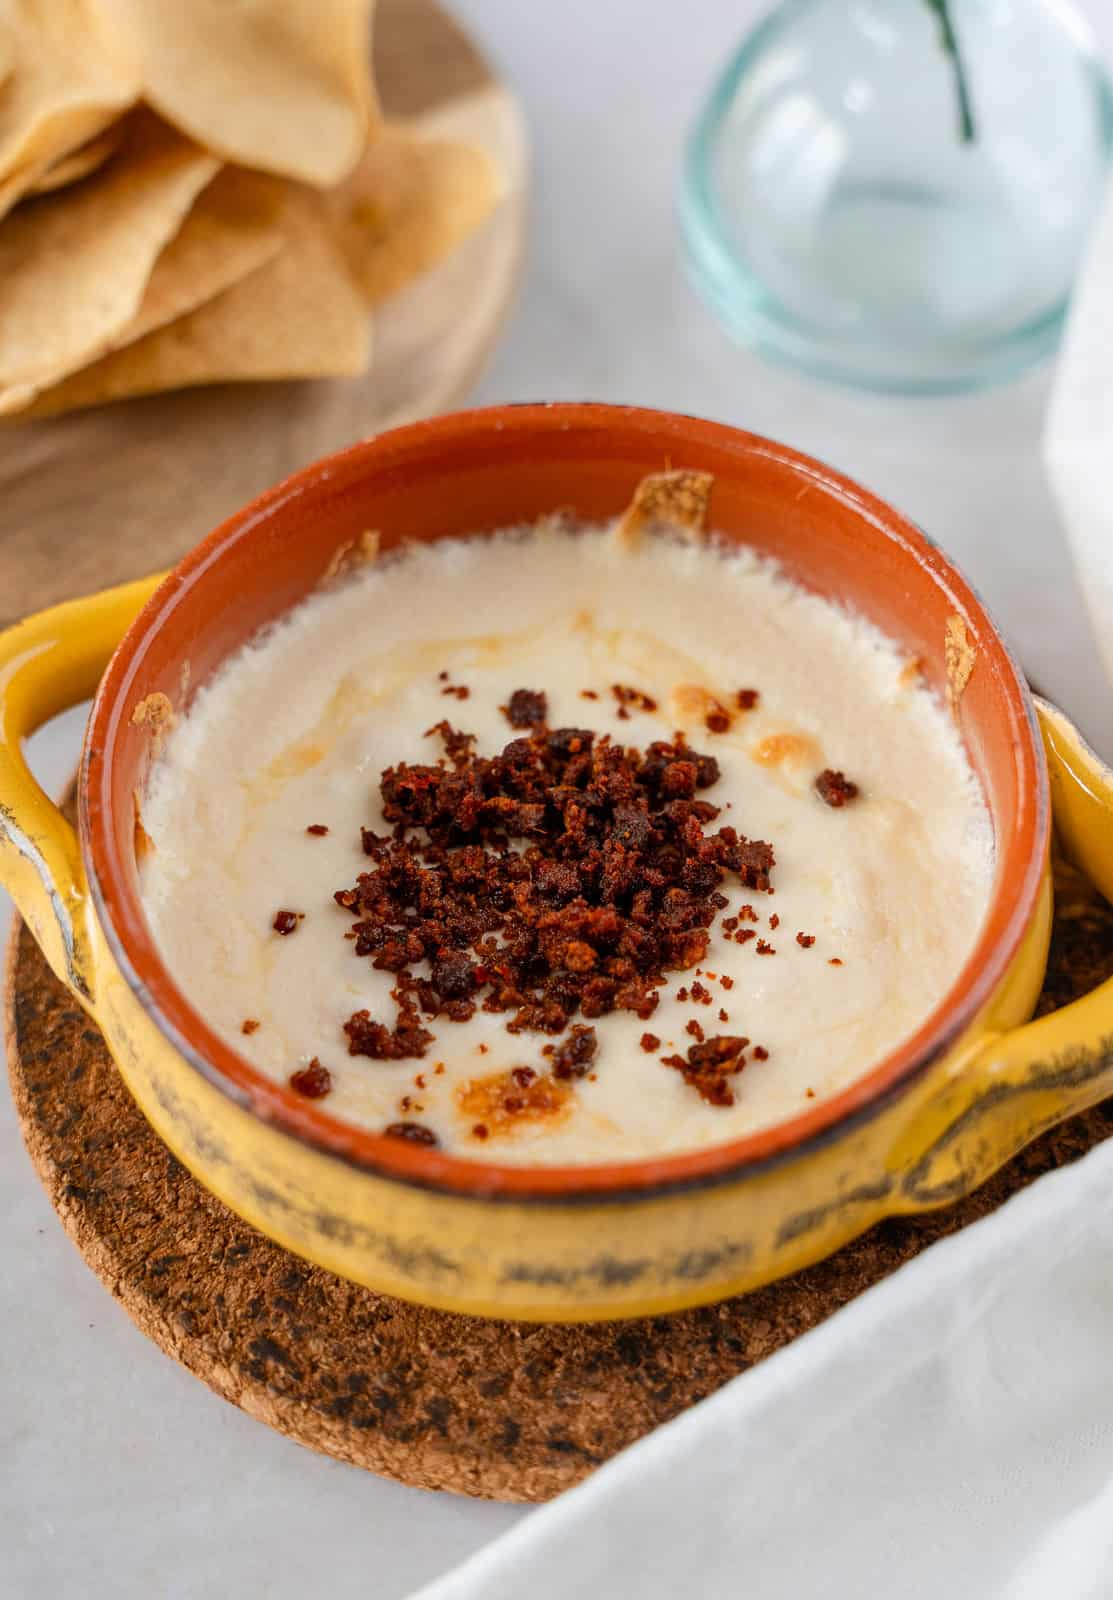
pixel 950 1433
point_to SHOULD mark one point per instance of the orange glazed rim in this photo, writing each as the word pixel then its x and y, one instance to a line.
pixel 1021 855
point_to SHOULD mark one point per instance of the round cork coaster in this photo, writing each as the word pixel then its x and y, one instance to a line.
pixel 511 1411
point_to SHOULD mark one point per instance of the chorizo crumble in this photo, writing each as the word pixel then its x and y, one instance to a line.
pixel 313 1081
pixel 709 1064
pixel 563 877
pixel 573 1058
pixel 835 788
pixel 415 1132
pixel 528 708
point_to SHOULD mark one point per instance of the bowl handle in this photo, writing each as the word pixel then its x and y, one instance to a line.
pixel 49 662
pixel 1019 1083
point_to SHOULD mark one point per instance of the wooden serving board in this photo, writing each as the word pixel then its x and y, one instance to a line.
pixel 97 497
pixel 510 1411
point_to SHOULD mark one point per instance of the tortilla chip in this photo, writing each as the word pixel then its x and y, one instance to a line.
pixel 79 163
pixel 282 85
pixel 63 77
pixel 14 187
pixel 407 205
pixel 74 267
pixel 299 316
pixel 676 499
pixel 55 172
pixel 236 225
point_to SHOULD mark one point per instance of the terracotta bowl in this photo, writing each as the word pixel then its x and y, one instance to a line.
pixel 916 1129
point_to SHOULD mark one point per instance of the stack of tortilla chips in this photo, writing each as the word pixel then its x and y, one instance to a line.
pixel 193 191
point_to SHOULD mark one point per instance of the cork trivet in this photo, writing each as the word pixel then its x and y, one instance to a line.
pixel 511 1411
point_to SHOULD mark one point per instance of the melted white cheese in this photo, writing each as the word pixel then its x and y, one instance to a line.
pixel 298 726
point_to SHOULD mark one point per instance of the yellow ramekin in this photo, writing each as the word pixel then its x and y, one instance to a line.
pixel 917 1130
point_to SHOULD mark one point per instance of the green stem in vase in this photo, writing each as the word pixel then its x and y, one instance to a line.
pixel 949 40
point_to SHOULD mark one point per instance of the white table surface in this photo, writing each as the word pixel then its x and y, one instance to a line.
pixel 120 1475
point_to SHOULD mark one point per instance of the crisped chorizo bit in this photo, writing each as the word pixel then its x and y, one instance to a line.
pixel 313 1081
pixel 835 789
pixel 407 1040
pixel 573 1058
pixel 710 1064
pixel 527 708
pixel 413 1132
pixel 453 975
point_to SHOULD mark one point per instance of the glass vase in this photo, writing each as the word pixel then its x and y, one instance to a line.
pixel 896 193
